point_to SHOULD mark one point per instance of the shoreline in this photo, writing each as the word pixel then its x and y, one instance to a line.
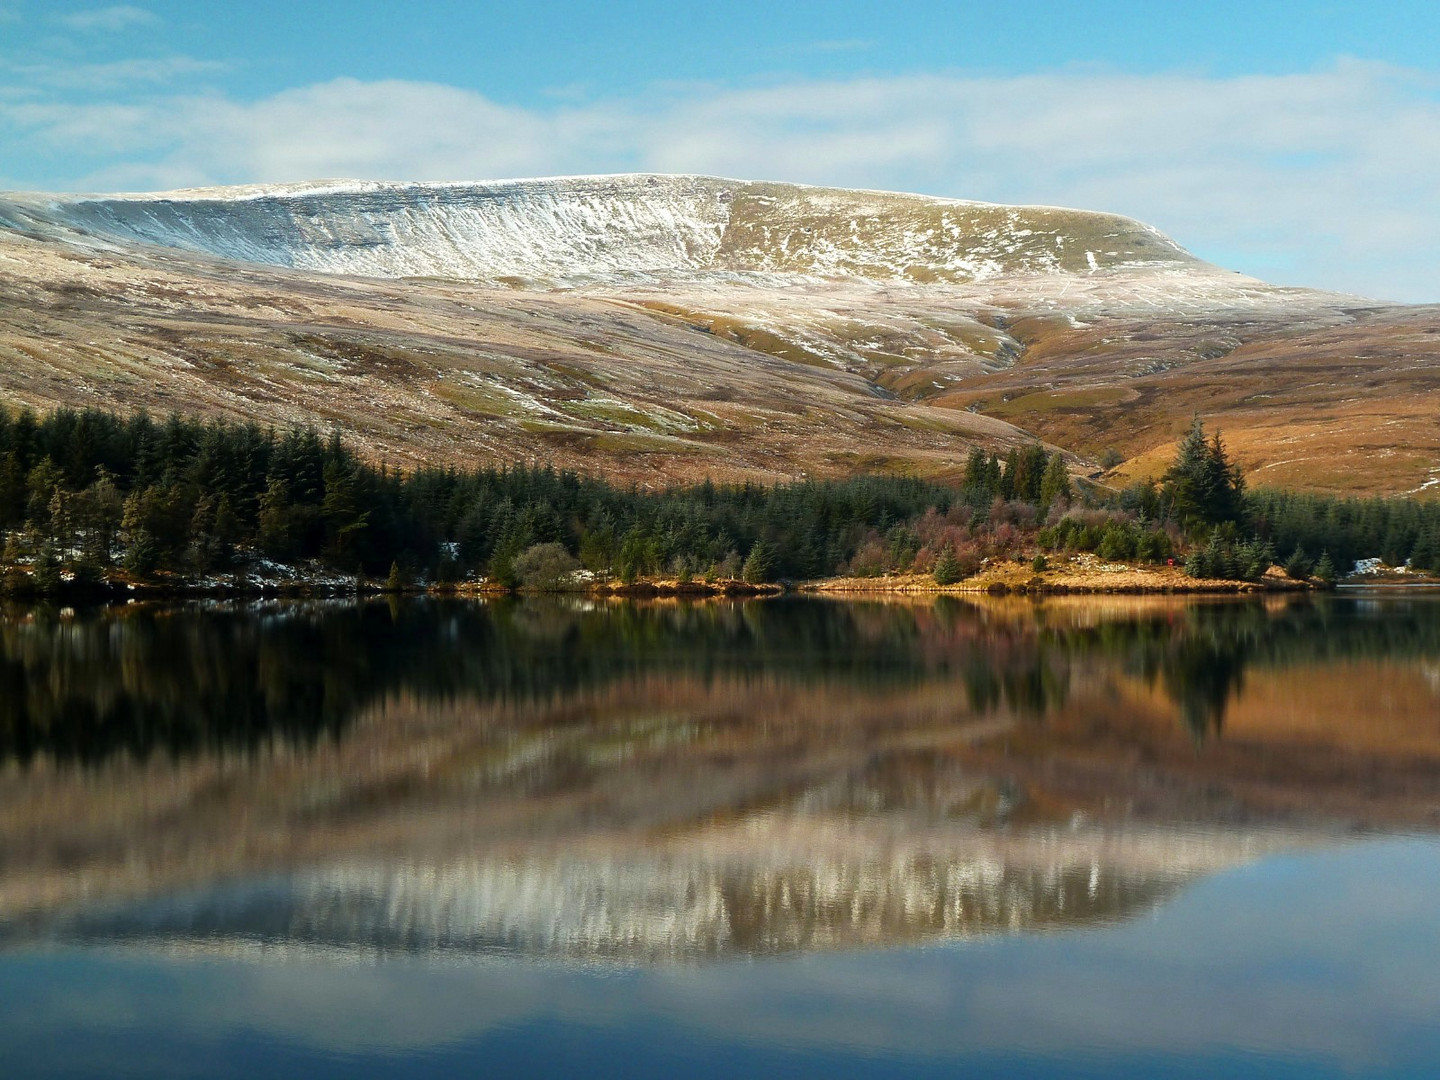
pixel 1013 579
pixel 1022 581
pixel 1078 575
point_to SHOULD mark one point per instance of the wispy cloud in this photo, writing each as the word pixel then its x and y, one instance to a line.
pixel 161 71
pixel 109 19
pixel 1328 178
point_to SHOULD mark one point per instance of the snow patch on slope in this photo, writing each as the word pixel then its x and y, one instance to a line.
pixel 522 229
pixel 604 227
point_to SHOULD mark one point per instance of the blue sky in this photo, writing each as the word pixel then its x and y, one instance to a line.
pixel 1299 142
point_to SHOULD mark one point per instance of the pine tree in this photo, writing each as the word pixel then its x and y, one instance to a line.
pixel 47 570
pixel 993 476
pixel 394 583
pixel 340 508
pixel 276 521
pixel 1031 475
pixel 1008 480
pixel 12 490
pixel 975 472
pixel 947 567
pixel 758 564
pixel 1055 485
pixel 1425 555
pixel 1203 488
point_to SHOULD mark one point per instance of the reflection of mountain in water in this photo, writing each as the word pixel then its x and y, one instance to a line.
pixel 693 903
pixel 683 781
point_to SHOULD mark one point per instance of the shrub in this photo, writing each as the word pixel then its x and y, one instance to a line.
pixel 1154 545
pixel 547 567
pixel 1245 560
pixel 947 568
pixel 1299 565
pixel 729 567
pixel 871 559
pixel 1116 542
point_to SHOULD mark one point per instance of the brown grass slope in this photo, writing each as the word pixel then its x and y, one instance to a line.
pixel 446 372
pixel 1351 405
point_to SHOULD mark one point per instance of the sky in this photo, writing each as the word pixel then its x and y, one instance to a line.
pixel 1298 142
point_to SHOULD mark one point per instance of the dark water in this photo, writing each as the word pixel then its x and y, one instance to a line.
pixel 1102 837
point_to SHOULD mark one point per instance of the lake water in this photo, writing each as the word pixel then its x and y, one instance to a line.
pixel 1079 837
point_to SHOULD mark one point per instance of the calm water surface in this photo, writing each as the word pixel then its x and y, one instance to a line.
pixel 1084 837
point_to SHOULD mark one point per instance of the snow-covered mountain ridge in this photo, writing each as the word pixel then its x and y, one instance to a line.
pixel 584 227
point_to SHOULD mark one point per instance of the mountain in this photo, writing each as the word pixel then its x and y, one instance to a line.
pixel 607 226
pixel 671 327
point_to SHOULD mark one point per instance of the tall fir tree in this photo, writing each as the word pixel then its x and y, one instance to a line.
pixel 1202 487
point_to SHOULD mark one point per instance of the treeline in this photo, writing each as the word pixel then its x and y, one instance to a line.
pixel 1396 531
pixel 1232 532
pixel 84 493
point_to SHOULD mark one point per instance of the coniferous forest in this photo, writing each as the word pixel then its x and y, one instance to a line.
pixel 89 494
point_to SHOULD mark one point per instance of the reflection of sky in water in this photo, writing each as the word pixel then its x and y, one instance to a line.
pixel 1343 982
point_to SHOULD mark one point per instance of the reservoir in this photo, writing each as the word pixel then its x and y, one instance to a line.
pixel 1078 836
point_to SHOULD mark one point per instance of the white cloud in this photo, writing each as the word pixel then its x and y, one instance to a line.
pixel 110 76
pixel 109 19
pixel 1327 179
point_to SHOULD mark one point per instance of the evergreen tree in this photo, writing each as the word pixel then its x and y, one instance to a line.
pixel 12 490
pixel 1202 487
pixel 1298 565
pixel 1008 479
pixel 277 521
pixel 341 511
pixel 758 564
pixel 1030 476
pixel 994 477
pixel 976 475
pixel 47 570
pixel 1055 484
pixel 947 567
pixel 1425 555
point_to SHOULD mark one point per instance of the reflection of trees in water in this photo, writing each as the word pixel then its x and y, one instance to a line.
pixel 1200 653
pixel 1200 674
pixel 140 680
pixel 88 688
